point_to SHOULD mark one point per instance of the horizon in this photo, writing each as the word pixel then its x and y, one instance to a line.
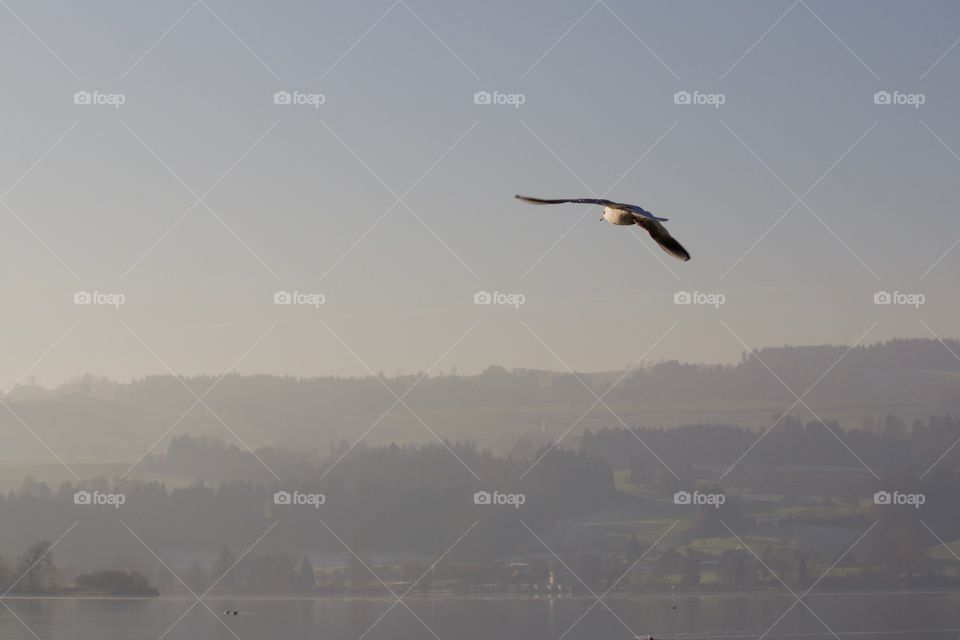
pixel 455 371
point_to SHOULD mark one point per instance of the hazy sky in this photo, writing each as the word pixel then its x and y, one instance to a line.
pixel 303 197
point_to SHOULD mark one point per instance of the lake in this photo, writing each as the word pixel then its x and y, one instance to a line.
pixel 934 615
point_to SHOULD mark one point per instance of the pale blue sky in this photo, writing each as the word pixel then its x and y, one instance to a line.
pixel 596 99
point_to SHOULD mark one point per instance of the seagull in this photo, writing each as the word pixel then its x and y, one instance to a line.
pixel 620 214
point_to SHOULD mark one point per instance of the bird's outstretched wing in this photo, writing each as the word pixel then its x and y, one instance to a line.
pixel 605 203
pixel 663 238
pixel 632 208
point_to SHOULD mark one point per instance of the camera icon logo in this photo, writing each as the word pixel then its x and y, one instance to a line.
pixel 82 297
pixel 682 497
pixel 682 97
pixel 482 97
pixel 882 97
pixel 682 297
pixel 81 497
pixel 82 97
pixel 282 97
pixel 282 497
pixel 482 297
pixel 282 297
pixel 482 497
pixel 881 497
pixel 882 297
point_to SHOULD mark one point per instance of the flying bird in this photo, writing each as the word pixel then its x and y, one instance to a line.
pixel 621 214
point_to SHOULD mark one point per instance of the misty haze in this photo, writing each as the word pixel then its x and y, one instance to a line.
pixel 287 356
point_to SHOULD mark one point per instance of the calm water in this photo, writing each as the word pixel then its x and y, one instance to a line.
pixel 915 615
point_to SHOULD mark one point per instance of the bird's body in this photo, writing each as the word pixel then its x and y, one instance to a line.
pixel 619 217
pixel 621 214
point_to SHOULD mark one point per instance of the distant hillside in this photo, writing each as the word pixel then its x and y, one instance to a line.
pixel 93 419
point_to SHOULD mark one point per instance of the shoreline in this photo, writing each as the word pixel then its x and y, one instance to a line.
pixel 440 595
